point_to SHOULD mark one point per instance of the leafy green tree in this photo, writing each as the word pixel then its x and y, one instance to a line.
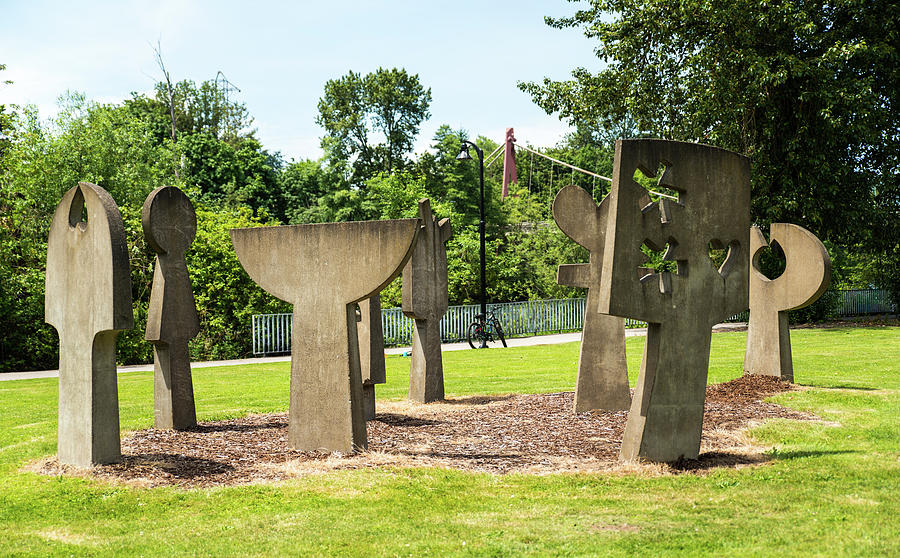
pixel 309 190
pixel 5 121
pixel 89 142
pixel 27 342
pixel 356 111
pixel 807 89
pixel 226 297
pixel 117 148
pixel 303 182
pixel 227 174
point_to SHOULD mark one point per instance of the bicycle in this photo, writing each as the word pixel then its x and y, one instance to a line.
pixel 481 331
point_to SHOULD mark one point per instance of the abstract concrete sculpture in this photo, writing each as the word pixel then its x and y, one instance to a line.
pixel 666 416
pixel 425 300
pixel 602 382
pixel 323 270
pixel 88 301
pixel 807 274
pixel 371 351
pixel 169 227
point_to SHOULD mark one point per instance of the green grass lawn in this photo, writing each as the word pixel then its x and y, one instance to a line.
pixel 831 488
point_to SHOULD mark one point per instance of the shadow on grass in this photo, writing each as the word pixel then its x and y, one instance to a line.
pixel 718 459
pixel 394 419
pixel 781 455
pixel 840 386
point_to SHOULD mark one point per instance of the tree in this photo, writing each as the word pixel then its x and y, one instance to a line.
pixel 206 108
pixel 390 104
pixel 227 175
pixel 807 89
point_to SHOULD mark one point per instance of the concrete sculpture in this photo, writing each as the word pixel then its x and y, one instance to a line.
pixel 712 210
pixel 169 225
pixel 324 270
pixel 88 301
pixel 602 382
pixel 806 276
pixel 425 300
pixel 371 351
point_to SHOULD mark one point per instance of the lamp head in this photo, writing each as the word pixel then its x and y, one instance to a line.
pixel 463 152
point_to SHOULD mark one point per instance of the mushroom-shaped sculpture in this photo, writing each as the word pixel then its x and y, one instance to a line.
pixel 323 270
pixel 602 382
pixel 807 274
pixel 88 301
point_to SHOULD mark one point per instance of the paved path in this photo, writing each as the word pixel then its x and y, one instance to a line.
pixel 515 342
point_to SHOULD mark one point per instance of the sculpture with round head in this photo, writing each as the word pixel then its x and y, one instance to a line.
pixel 170 224
pixel 602 380
pixel 806 276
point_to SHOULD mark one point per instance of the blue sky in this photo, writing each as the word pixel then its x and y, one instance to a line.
pixel 280 54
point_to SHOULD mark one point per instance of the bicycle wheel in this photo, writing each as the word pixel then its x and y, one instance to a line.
pixel 475 335
pixel 499 331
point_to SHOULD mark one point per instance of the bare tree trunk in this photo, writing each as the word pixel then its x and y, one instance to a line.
pixel 170 93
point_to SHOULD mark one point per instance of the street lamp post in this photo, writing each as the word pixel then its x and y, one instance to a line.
pixel 464 156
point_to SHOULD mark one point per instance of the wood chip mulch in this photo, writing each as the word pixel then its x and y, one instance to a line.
pixel 537 434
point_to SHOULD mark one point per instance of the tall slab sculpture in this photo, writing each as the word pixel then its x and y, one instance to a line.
pixel 169 225
pixel 712 211
pixel 425 300
pixel 806 276
pixel 324 270
pixel 602 382
pixel 371 351
pixel 88 301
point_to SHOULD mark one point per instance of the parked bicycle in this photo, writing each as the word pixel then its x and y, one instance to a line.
pixel 483 330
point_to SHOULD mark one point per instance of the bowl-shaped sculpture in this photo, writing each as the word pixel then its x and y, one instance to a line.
pixel 323 270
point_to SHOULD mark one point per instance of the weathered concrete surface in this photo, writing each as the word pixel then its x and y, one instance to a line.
pixel 88 301
pixel 602 382
pixel 170 225
pixel 324 270
pixel 806 276
pixel 425 299
pixel 371 351
pixel 665 420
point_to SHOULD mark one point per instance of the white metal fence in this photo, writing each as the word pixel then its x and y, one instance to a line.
pixel 272 332
pixel 859 302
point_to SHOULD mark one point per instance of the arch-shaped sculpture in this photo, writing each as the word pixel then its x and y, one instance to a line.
pixel 602 381
pixel 88 301
pixel 806 276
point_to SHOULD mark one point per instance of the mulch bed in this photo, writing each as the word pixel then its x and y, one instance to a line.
pixel 536 434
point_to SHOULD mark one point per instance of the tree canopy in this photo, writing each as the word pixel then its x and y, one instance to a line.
pixel 357 110
pixel 808 89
